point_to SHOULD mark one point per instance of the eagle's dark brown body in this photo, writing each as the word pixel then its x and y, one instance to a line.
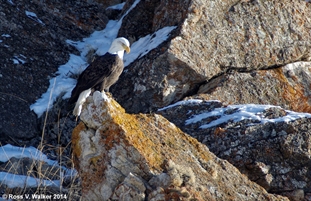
pixel 103 72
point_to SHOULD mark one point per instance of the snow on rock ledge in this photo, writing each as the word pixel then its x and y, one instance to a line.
pixel 267 143
pixel 145 157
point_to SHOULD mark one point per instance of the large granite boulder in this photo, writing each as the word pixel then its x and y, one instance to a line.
pixel 120 156
pixel 287 86
pixel 270 145
pixel 212 38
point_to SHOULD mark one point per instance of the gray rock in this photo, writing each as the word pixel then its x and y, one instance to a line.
pixel 212 38
pixel 287 86
pixel 272 147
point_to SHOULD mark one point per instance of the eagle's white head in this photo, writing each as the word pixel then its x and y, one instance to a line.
pixel 118 46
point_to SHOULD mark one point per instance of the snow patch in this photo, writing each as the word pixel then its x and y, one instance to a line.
pixel 62 83
pixel 243 112
pixel 186 102
pixel 20 59
pixel 15 61
pixel 116 7
pixel 99 41
pixel 33 16
pixel 9 151
pixel 144 45
pixel 6 35
pixel 11 2
pixel 12 180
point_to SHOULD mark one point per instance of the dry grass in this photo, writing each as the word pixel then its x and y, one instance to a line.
pixel 70 185
pixel 69 188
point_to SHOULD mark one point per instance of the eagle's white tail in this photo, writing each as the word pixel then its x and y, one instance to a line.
pixel 82 97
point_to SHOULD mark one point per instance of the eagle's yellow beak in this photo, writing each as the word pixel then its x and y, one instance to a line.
pixel 126 48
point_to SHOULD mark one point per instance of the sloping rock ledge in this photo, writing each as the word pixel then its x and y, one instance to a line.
pixel 145 157
pixel 268 144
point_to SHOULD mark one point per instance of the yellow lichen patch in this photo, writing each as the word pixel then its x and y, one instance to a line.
pixel 153 137
pixel 75 138
pixel 76 149
pixel 137 138
pixel 170 139
pixel 294 95
pixel 202 153
pixel 125 127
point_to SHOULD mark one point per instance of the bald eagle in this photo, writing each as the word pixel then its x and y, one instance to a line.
pixel 103 72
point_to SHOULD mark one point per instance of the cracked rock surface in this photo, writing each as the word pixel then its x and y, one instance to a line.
pixel 145 157
pixel 271 148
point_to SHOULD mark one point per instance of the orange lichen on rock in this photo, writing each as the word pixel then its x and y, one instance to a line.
pixel 121 155
pixel 127 128
pixel 75 138
pixel 293 93
pixel 123 128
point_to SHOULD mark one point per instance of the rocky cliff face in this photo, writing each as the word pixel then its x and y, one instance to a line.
pixel 237 52
pixel 212 39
